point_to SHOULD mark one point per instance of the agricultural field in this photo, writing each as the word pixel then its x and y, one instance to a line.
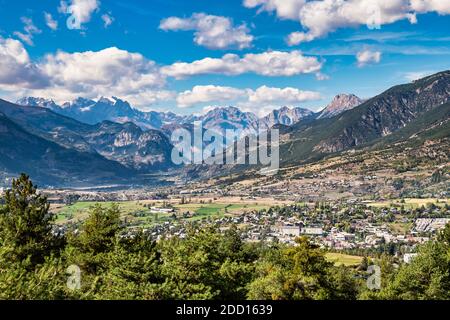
pixel 139 212
pixel 410 203
pixel 343 259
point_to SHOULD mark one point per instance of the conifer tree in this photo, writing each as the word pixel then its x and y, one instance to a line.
pixel 26 223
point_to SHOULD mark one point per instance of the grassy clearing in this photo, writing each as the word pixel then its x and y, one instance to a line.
pixel 79 210
pixel 400 227
pixel 343 259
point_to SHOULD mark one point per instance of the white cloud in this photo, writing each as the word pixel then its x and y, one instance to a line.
pixel 214 32
pixel 322 17
pixel 102 72
pixel 146 98
pixel 29 31
pixel 112 71
pixel 208 94
pixel 64 76
pixel 422 6
pixel 288 95
pixel 296 38
pixel 51 23
pixel 107 20
pixel 366 57
pixel 16 69
pixel 271 63
pixel 285 9
pixel 79 11
pixel 262 97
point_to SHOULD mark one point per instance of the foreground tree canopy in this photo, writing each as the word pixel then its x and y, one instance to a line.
pixel 96 261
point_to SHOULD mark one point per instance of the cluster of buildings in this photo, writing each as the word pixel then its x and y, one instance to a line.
pixel 430 224
pixel 341 226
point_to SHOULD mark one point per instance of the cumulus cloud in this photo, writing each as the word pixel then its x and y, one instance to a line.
pixel 271 63
pixel 322 17
pixel 213 32
pixel 79 11
pixel 16 68
pixel 108 69
pixel 296 38
pixel 146 98
pixel 112 71
pixel 29 30
pixel 64 76
pixel 246 98
pixel 366 57
pixel 207 94
pixel 286 9
pixel 423 6
pixel 51 23
pixel 288 95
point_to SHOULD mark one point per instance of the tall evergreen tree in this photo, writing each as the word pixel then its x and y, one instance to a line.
pixel 26 223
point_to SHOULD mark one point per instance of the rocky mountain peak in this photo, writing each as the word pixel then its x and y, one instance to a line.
pixel 342 102
pixel 285 116
pixel 78 103
pixel 37 102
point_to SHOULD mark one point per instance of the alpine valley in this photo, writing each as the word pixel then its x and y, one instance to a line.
pixel 88 143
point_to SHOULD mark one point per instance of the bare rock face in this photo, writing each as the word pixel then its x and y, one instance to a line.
pixel 285 116
pixel 340 104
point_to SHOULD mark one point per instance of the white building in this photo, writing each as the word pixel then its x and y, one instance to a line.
pixel 312 231
pixel 293 231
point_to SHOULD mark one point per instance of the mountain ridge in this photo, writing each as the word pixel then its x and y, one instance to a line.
pixel 117 110
pixel 50 163
pixel 125 143
pixel 375 118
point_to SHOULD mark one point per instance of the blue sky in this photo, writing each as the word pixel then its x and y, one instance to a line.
pixel 172 54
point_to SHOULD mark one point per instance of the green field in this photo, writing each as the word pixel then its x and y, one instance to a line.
pixel 410 203
pixel 343 259
pixel 138 213
pixel 79 210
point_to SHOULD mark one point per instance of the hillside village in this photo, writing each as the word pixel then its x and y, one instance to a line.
pixel 343 226
pixel 357 225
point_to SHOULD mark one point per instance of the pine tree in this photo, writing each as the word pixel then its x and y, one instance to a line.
pixel 26 223
pixel 88 248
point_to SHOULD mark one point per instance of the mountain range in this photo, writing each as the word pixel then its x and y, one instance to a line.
pixel 87 142
pixel 127 146
pixel 221 118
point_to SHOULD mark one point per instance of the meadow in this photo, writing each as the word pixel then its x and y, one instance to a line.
pixel 343 259
pixel 139 212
